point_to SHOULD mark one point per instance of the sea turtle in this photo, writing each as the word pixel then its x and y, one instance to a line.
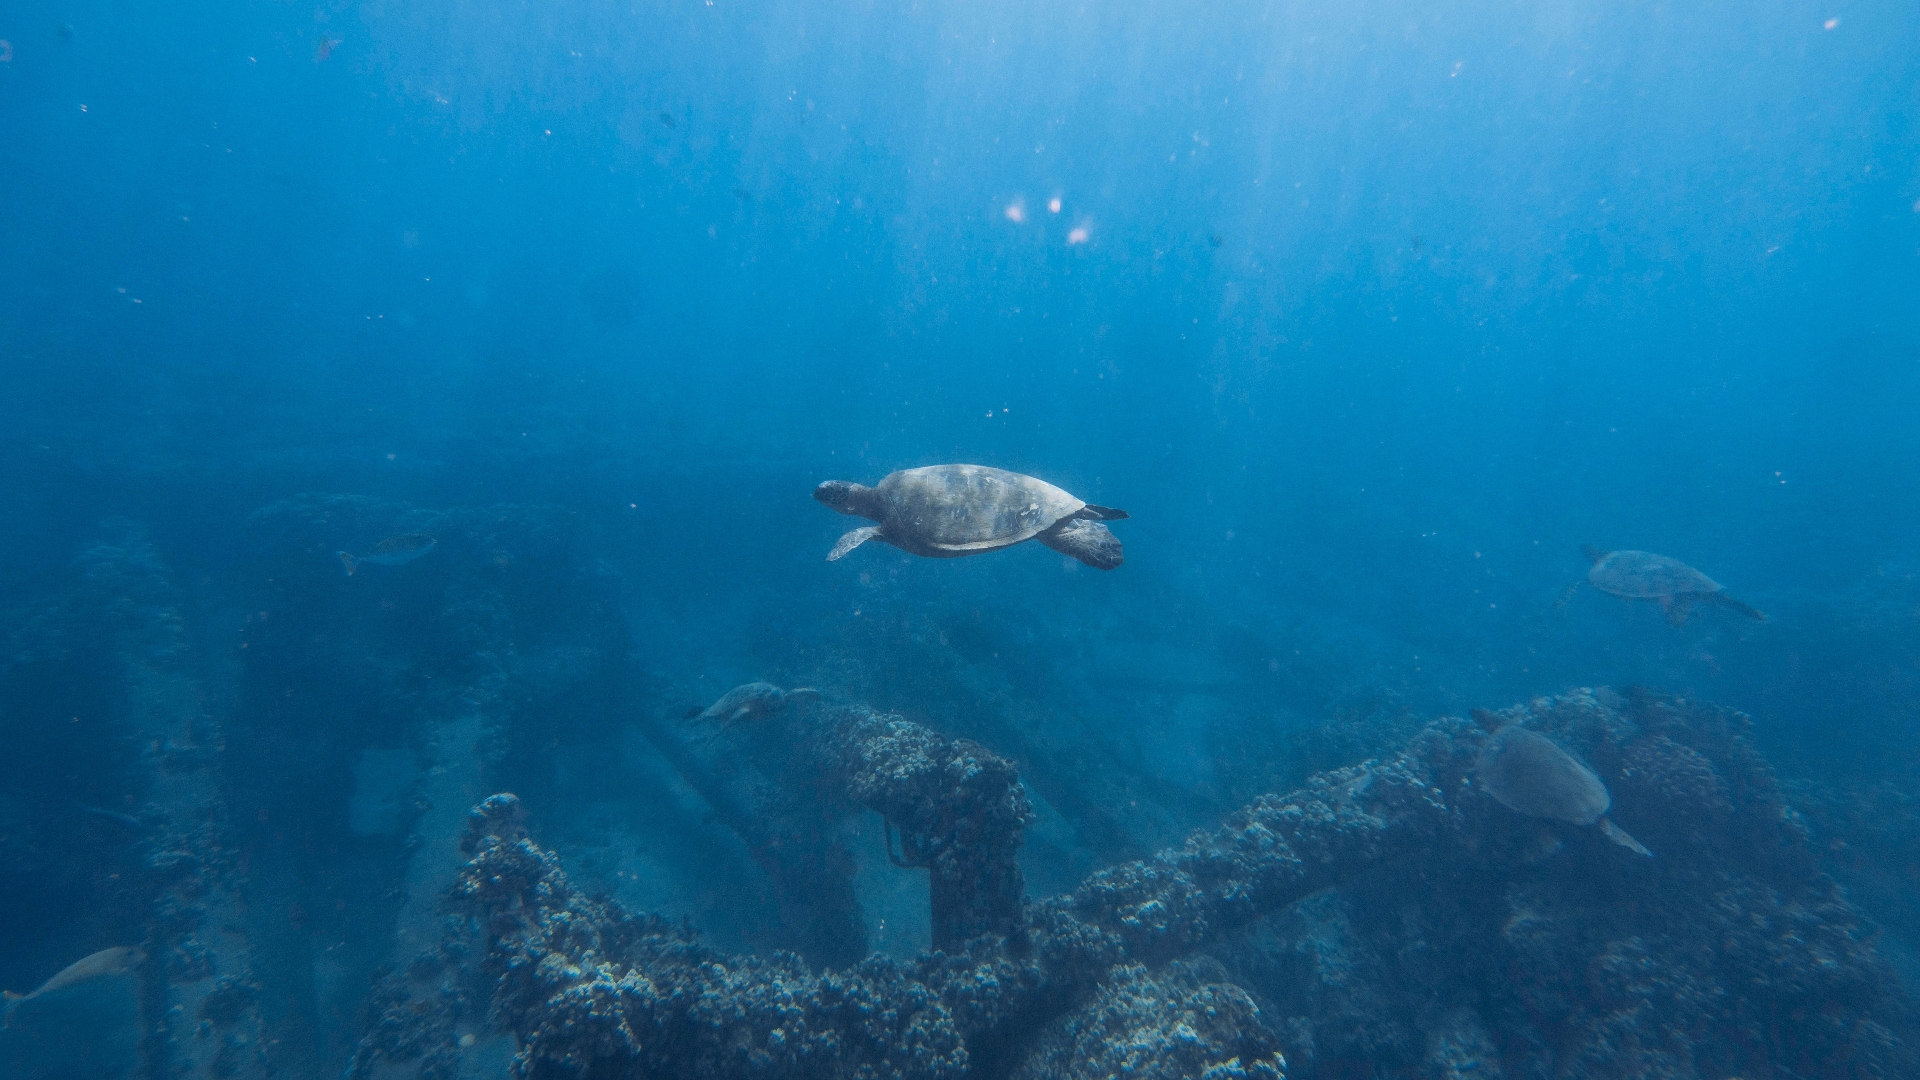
pixel 119 960
pixel 1642 575
pixel 752 701
pixel 1530 774
pixel 393 551
pixel 945 511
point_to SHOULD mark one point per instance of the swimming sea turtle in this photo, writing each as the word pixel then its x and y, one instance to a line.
pixel 1530 774
pixel 945 511
pixel 1642 575
pixel 752 701
pixel 119 960
pixel 393 551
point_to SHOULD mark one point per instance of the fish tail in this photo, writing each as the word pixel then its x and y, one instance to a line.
pixel 347 560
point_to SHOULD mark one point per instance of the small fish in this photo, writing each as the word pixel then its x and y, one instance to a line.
pixel 325 48
pixel 666 118
pixel 118 960
pixel 393 551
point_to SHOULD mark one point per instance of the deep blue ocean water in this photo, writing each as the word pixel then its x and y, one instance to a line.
pixel 1370 315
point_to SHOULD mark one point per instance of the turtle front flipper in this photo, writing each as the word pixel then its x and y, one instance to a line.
pixel 1103 513
pixel 1726 601
pixel 1089 541
pixel 1677 609
pixel 1566 597
pixel 852 540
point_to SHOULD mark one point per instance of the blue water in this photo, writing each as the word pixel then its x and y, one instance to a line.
pixel 1371 316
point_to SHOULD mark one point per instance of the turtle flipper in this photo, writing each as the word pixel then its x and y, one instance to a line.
pixel 1104 513
pixel 1677 609
pixel 1726 601
pixel 1567 596
pixel 1619 836
pixel 852 540
pixel 1089 541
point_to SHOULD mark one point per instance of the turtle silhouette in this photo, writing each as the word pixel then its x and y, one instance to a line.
pixel 751 701
pixel 1642 575
pixel 1530 774
pixel 946 511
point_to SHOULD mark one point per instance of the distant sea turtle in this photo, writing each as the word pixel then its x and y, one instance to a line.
pixel 1642 575
pixel 393 551
pixel 752 701
pixel 1530 774
pixel 945 511
pixel 119 960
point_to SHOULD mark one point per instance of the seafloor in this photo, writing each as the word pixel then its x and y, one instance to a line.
pixel 311 840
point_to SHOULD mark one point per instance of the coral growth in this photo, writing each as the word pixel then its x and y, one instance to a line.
pixel 592 990
pixel 959 808
pixel 1389 919
pixel 1187 1021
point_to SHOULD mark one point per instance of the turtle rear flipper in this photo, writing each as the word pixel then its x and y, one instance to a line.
pixel 1619 836
pixel 852 540
pixel 1089 541
pixel 1726 601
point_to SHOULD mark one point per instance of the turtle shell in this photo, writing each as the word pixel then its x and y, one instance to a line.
pixel 754 696
pixel 961 509
pixel 1530 774
pixel 1642 575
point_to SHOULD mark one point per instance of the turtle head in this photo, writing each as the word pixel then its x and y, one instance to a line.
pixel 850 498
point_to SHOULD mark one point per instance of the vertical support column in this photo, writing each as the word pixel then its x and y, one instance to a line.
pixel 198 1010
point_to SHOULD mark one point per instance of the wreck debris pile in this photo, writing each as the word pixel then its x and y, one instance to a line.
pixel 1186 1021
pixel 586 986
pixel 1450 936
pixel 1522 948
pixel 960 810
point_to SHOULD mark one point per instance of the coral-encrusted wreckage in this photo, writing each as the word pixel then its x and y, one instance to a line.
pixel 278 822
pixel 1388 919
